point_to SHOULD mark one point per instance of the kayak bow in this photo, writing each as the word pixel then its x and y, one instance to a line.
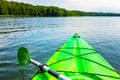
pixel 77 60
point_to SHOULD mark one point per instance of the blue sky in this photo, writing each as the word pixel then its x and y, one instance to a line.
pixel 83 5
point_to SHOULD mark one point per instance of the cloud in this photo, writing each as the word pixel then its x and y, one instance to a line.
pixel 93 5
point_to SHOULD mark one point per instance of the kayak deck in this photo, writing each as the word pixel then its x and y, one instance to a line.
pixel 77 60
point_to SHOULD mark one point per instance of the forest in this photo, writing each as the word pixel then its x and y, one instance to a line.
pixel 15 8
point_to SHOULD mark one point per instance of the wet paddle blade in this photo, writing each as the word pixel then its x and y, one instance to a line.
pixel 23 56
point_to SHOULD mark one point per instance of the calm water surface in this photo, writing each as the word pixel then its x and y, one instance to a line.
pixel 44 35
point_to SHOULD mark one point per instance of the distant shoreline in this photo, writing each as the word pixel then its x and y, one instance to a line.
pixel 16 16
pixel 11 9
pixel 50 16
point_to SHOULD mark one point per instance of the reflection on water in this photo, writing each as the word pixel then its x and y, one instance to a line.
pixel 43 36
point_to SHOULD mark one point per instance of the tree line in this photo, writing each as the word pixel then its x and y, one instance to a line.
pixel 15 8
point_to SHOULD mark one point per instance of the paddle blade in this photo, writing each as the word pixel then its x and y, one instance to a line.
pixel 23 56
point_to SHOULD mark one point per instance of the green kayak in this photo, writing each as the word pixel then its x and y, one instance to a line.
pixel 77 60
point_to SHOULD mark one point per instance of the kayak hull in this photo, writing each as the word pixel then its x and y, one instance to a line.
pixel 78 60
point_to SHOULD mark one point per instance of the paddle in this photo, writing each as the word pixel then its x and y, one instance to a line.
pixel 24 59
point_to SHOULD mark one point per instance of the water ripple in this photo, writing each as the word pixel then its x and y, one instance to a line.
pixel 7 32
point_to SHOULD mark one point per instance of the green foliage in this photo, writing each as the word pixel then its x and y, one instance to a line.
pixel 103 14
pixel 15 8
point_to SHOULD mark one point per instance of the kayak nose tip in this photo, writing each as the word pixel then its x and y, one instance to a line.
pixel 76 35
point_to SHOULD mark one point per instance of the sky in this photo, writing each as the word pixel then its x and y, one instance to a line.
pixel 82 5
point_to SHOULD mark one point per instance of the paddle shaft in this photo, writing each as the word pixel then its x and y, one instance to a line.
pixel 50 71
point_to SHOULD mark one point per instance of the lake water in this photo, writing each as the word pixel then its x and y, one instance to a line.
pixel 44 35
